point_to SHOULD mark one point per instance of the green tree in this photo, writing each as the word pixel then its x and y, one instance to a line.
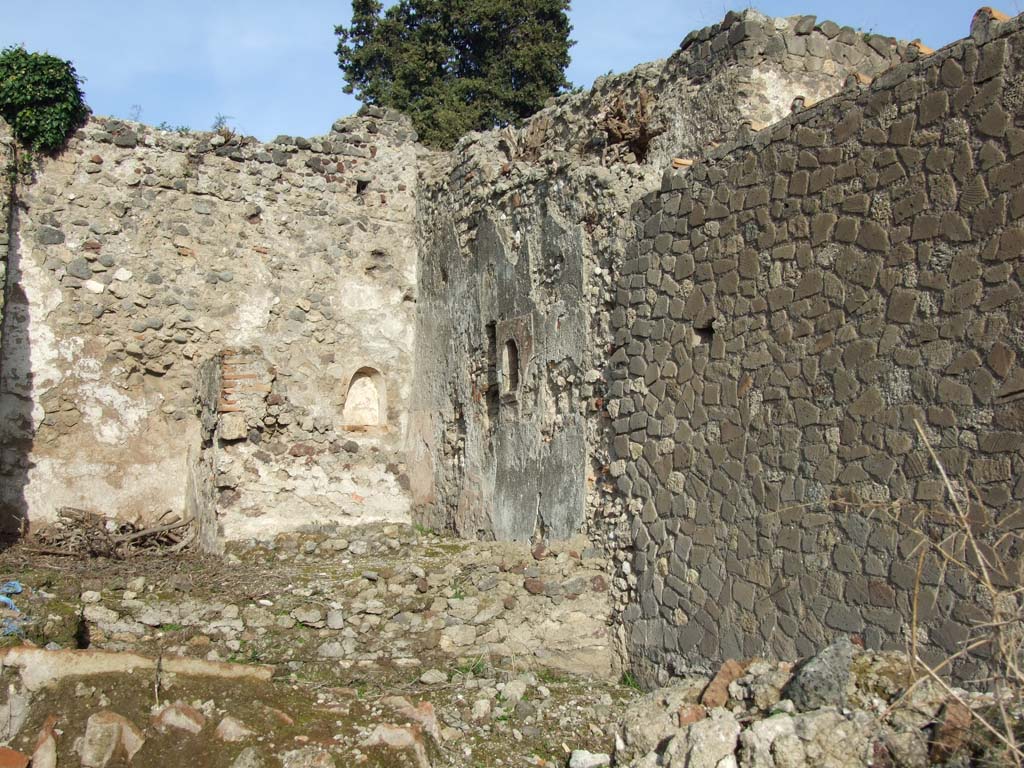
pixel 41 98
pixel 456 65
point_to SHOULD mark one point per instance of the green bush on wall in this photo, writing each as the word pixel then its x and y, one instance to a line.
pixel 41 98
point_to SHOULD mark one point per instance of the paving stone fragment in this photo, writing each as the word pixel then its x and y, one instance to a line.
pixel 108 735
pixel 179 716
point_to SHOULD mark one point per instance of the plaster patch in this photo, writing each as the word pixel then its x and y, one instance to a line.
pixel 139 491
pixel 113 415
pixel 44 297
pixel 253 316
pixel 126 414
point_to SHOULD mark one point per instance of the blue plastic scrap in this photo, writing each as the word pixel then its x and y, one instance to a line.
pixel 12 627
pixel 9 588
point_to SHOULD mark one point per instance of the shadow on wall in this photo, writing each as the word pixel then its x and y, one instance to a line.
pixel 17 428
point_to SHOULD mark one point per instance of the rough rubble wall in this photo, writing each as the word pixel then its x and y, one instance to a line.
pixel 522 231
pixel 509 434
pixel 6 189
pixel 143 254
pixel 748 69
pixel 793 308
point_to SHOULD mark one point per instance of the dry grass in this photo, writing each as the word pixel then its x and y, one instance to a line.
pixel 963 536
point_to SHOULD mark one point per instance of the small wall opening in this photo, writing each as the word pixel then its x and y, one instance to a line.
pixel 704 334
pixel 365 405
pixel 492 371
pixel 510 368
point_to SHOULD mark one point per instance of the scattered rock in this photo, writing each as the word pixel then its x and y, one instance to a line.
pixel 758 741
pixel 704 744
pixel 717 692
pixel 107 735
pixel 689 714
pixel 307 757
pixel 481 710
pixel 400 738
pixel 533 585
pixel 179 716
pixel 230 729
pixel 249 757
pixel 309 615
pixel 13 713
pixel 10 758
pixel 652 719
pixel 331 650
pixel 951 733
pixel 45 753
pixel 581 758
pixel 423 714
pixel 822 680
pixel 514 691
pixel 433 677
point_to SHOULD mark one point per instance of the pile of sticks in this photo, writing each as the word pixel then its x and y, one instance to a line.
pixel 82 532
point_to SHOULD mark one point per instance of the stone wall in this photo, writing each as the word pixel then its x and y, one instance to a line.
pixel 522 231
pixel 511 297
pixel 747 70
pixel 6 161
pixel 141 254
pixel 794 307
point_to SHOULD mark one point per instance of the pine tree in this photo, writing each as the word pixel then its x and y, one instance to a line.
pixel 456 65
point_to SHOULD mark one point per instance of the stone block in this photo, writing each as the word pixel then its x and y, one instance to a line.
pixel 902 305
pixel 1001 441
pixel 994 122
pixel 232 427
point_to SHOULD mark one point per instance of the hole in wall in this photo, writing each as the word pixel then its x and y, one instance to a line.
pixel 361 185
pixel 365 404
pixel 703 334
pixel 510 368
pixel 377 262
pixel 492 370
pixel 82 639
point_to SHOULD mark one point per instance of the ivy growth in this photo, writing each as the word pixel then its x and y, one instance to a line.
pixel 41 97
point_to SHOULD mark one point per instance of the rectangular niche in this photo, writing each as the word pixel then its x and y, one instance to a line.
pixel 514 347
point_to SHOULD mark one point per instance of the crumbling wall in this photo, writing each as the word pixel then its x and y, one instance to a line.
pixel 200 484
pixel 522 232
pixel 748 70
pixel 145 253
pixel 511 292
pixel 794 307
pixel 6 190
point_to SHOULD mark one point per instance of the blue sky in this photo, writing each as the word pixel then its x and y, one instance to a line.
pixel 270 66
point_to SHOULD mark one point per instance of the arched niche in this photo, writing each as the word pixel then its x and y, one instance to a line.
pixel 365 401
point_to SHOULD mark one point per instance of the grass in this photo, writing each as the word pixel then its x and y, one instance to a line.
pixel 252 657
pixel 628 680
pixel 549 677
pixel 476 667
